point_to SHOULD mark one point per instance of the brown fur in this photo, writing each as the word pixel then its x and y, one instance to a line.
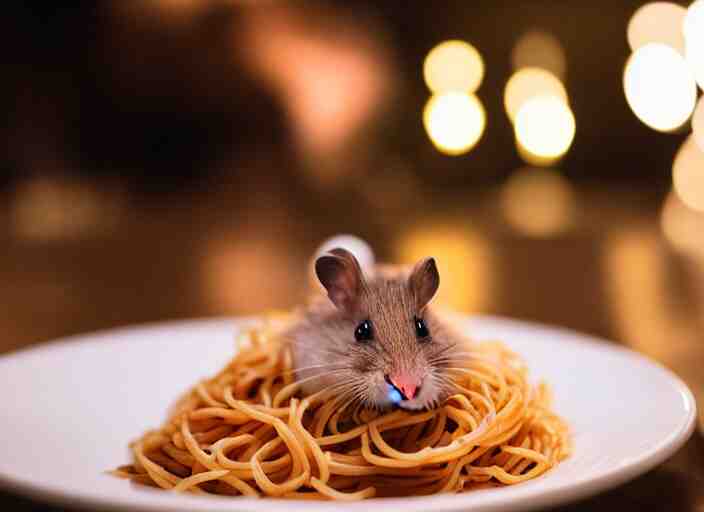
pixel 326 353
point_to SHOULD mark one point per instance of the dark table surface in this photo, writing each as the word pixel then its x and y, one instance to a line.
pixel 117 259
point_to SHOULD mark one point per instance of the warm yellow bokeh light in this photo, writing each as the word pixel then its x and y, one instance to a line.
pixel 453 66
pixel 698 124
pixel 657 22
pixel 538 202
pixel 688 174
pixel 694 40
pixel 535 160
pixel 539 49
pixel 454 121
pixel 659 87
pixel 528 83
pixel 545 127
pixel 44 209
pixel 682 226
pixel 638 294
pixel 463 258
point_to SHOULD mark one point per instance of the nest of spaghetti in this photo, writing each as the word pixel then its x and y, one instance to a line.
pixel 250 431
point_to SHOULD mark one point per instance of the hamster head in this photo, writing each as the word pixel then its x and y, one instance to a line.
pixel 376 339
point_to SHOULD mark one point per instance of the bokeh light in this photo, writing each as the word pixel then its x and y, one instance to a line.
pixel 694 39
pixel 688 174
pixel 682 226
pixel 539 49
pixel 453 66
pixel 528 83
pixel 330 84
pixel 46 209
pixel 695 59
pixel 545 128
pixel 635 286
pixel 464 260
pixel 251 272
pixel 454 121
pixel 698 124
pixel 659 86
pixel 538 202
pixel 657 22
pixel 694 20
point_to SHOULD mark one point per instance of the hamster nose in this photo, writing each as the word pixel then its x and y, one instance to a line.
pixel 406 385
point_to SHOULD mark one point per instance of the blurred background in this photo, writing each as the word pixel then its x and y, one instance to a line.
pixel 168 159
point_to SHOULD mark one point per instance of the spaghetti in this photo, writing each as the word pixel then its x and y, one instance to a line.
pixel 249 431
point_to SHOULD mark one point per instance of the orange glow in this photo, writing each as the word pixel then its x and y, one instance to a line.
pixel 539 49
pixel 330 83
pixel 250 273
pixel 55 209
pixel 636 289
pixel 538 202
pixel 463 258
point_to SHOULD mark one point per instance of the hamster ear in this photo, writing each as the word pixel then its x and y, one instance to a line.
pixel 424 282
pixel 340 274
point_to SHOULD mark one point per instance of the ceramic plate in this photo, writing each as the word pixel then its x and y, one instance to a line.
pixel 69 408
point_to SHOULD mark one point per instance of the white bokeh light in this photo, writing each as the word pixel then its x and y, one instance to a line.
pixel 545 127
pixel 454 121
pixel 659 87
pixel 693 29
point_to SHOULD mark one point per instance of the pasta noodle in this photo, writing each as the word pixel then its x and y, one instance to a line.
pixel 249 431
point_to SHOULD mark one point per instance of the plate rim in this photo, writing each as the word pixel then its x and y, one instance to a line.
pixel 557 495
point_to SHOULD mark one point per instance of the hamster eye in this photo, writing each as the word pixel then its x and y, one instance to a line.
pixel 421 329
pixel 364 331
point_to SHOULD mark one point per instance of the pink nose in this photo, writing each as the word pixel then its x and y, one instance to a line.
pixel 406 385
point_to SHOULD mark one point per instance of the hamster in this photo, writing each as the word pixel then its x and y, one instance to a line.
pixel 373 335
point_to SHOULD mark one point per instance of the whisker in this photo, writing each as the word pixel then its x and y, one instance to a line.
pixel 349 387
pixel 320 375
pixel 315 366
pixel 459 356
pixel 333 351
pixel 445 349
pixel 446 384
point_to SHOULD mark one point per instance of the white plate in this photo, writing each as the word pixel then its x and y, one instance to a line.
pixel 69 409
